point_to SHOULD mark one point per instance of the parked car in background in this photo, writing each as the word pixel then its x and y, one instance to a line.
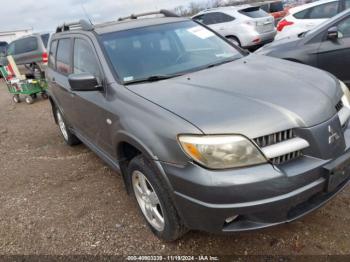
pixel 246 26
pixel 274 8
pixel 304 18
pixel 30 54
pixel 206 136
pixel 3 47
pixel 326 46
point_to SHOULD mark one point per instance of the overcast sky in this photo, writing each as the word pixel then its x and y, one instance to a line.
pixel 45 15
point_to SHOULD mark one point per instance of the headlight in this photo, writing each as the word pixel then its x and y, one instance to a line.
pixel 346 97
pixel 221 151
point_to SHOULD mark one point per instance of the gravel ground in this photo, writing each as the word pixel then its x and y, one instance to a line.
pixel 61 200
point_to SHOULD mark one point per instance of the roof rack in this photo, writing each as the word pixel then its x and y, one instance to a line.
pixel 80 25
pixel 166 13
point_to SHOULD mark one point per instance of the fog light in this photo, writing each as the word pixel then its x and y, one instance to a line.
pixel 230 219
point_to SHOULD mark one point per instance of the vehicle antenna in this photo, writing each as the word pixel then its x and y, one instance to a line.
pixel 86 14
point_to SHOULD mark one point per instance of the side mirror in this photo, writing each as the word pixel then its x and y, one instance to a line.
pixel 84 82
pixel 332 33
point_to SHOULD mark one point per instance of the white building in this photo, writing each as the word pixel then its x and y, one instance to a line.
pixel 9 36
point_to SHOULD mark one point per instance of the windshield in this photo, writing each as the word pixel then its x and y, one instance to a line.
pixel 45 39
pixel 165 50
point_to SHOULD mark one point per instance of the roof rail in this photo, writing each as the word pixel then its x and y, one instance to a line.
pixel 80 25
pixel 166 13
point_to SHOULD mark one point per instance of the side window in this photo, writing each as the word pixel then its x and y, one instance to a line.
pixel 301 14
pixel 199 18
pixel 209 19
pixel 11 49
pixel 84 58
pixel 63 62
pixel 347 4
pixel 344 28
pixel 216 18
pixel 52 54
pixel 26 45
pixel 324 11
pixel 224 18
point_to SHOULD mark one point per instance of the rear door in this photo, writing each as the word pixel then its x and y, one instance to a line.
pixel 334 55
pixel 318 14
pixel 60 67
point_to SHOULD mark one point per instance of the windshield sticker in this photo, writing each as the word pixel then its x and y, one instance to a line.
pixel 128 78
pixel 200 32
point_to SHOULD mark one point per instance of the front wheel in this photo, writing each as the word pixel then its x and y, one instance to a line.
pixel 68 136
pixel 154 201
pixel 16 99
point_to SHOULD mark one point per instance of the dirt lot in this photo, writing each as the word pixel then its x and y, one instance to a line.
pixel 61 200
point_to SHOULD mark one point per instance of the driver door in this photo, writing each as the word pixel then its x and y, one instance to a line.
pixel 334 55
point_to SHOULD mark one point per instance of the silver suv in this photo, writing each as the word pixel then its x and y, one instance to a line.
pixel 29 53
pixel 206 135
pixel 246 26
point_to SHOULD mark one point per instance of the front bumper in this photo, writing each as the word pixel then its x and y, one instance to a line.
pixel 260 196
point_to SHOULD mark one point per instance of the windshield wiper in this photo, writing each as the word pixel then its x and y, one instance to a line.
pixel 153 78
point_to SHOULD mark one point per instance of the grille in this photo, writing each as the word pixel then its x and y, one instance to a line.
pixel 339 106
pixel 275 138
pixel 286 158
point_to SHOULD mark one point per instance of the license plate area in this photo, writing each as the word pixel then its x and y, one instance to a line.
pixel 337 172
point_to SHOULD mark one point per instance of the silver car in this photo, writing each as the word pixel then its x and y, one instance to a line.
pixel 30 54
pixel 244 25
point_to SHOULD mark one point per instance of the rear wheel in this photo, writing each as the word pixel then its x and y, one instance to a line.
pixel 29 100
pixel 44 95
pixel 154 201
pixel 68 136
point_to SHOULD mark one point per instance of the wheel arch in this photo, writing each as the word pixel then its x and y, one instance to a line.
pixel 127 147
pixel 53 108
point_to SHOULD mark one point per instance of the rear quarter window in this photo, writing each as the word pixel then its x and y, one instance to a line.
pixel 63 57
pixel 253 12
pixel 301 14
pixel 52 54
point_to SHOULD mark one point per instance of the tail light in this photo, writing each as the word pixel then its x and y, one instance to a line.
pixel 251 23
pixel 283 24
pixel 45 57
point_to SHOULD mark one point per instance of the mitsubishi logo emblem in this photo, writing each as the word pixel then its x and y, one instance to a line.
pixel 333 135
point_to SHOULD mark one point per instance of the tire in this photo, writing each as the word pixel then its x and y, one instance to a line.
pixel 234 40
pixel 16 99
pixel 44 96
pixel 157 199
pixel 29 100
pixel 67 135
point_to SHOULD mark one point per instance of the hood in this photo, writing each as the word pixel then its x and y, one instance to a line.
pixel 254 96
pixel 286 43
